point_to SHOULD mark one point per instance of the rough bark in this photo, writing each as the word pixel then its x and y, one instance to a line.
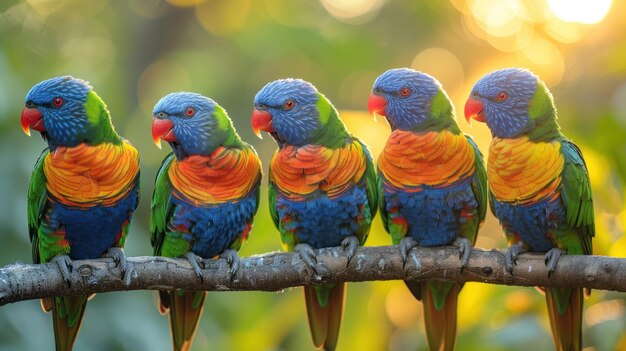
pixel 276 271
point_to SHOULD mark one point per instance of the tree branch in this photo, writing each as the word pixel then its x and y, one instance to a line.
pixel 277 271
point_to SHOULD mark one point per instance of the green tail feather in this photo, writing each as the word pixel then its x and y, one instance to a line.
pixel 440 304
pixel 324 305
pixel 67 316
pixel 185 312
pixel 565 308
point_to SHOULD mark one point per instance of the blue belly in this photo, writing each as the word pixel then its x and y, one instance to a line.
pixel 532 223
pixel 433 215
pixel 323 222
pixel 92 231
pixel 213 229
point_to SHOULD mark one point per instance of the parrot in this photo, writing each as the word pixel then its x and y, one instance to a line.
pixel 433 184
pixel 82 192
pixel 538 184
pixel 206 194
pixel 322 188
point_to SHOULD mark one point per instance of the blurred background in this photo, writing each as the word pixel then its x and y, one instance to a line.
pixel 133 52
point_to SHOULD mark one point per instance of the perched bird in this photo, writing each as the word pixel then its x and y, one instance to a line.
pixel 434 185
pixel 538 182
pixel 322 188
pixel 205 197
pixel 83 190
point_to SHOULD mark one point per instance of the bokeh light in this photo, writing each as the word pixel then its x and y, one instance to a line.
pixel 583 11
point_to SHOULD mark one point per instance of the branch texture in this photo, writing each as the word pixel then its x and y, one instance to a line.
pixel 277 271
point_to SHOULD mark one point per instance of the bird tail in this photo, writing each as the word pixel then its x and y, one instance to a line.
pixel 324 305
pixel 67 316
pixel 565 308
pixel 185 311
pixel 440 304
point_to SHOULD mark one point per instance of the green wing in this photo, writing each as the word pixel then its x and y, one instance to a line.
pixel 576 194
pixel 479 183
pixel 36 201
pixel 479 188
pixel 160 205
pixel 371 187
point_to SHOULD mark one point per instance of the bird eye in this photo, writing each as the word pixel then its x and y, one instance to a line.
pixel 502 96
pixel 30 104
pixel 57 102
pixel 405 91
pixel 289 104
pixel 190 111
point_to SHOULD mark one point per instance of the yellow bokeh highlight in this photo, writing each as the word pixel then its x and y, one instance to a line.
pixel 347 9
pixel 224 17
pixel 583 11
pixel 441 64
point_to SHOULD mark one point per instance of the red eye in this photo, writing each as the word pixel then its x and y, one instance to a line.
pixel 190 111
pixel 289 104
pixel 57 102
pixel 502 96
pixel 405 91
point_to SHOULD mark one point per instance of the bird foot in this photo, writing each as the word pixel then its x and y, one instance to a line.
pixel 512 253
pixel 309 258
pixel 232 258
pixel 465 249
pixel 349 245
pixel 195 261
pixel 552 258
pixel 406 245
pixel 65 266
pixel 126 268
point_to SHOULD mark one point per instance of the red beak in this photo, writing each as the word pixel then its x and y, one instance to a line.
pixel 32 118
pixel 162 129
pixel 474 109
pixel 377 104
pixel 261 120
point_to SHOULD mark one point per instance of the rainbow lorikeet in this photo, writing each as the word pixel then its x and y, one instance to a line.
pixel 205 197
pixel 83 190
pixel 322 188
pixel 434 185
pixel 538 182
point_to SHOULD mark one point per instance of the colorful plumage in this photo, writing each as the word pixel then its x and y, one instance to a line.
pixel 205 196
pixel 83 190
pixel 539 186
pixel 434 185
pixel 322 188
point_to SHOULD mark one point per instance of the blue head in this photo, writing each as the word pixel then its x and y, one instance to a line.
pixel 512 101
pixel 286 109
pixel 411 100
pixel 57 108
pixel 192 124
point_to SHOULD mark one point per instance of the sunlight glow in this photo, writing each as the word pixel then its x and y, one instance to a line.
pixel 582 11
pixel 346 9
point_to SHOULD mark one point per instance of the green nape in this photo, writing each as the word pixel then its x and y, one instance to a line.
pixel 542 112
pixel 100 119
pixel 331 133
pixel 441 115
pixel 225 132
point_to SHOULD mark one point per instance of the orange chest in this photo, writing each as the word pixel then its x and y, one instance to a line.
pixel 304 170
pixel 91 175
pixel 410 161
pixel 523 171
pixel 225 175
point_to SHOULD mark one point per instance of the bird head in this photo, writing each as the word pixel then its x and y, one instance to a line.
pixel 66 111
pixel 295 113
pixel 410 100
pixel 513 102
pixel 192 124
